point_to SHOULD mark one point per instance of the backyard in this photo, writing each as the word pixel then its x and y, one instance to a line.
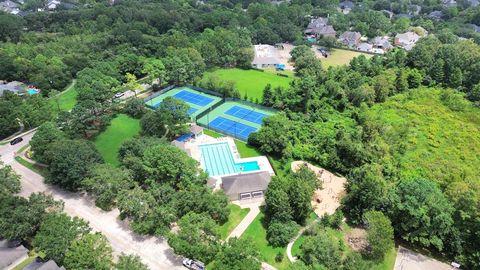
pixel 339 57
pixel 251 82
pixel 121 129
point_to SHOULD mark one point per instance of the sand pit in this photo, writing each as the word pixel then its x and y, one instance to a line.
pixel 327 199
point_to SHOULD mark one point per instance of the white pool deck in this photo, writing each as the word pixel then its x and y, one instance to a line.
pixel 192 148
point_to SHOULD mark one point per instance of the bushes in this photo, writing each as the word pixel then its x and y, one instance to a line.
pixel 279 233
pixel 135 108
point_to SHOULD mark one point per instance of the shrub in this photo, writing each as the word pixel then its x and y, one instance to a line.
pixel 279 233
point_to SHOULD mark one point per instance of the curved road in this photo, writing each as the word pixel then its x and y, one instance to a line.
pixel 154 252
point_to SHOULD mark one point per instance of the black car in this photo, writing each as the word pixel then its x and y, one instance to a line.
pixel 16 140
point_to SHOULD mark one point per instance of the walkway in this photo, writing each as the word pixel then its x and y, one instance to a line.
pixel 411 260
pixel 290 244
pixel 153 251
pixel 248 219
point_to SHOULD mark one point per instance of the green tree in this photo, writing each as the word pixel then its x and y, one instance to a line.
pixel 56 234
pixel 198 237
pixel 321 250
pixel 9 180
pixel 135 108
pixel 69 161
pixel 168 120
pixel 135 203
pixel 237 254
pixel 280 233
pixel 155 70
pixel 379 234
pixel 277 205
pixel 46 134
pixel 91 251
pixel 130 262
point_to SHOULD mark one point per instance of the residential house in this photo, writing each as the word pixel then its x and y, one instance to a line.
pixel 245 186
pixel 11 256
pixel 319 28
pixel 14 87
pixel 474 3
pixel 351 39
pixel 436 15
pixel 265 56
pixel 345 7
pixel 382 43
pixel 9 7
pixel 406 40
pixel 364 47
pixel 52 4
pixel 475 28
pixel 39 264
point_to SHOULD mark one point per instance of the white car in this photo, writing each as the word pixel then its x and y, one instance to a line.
pixel 119 94
pixel 193 265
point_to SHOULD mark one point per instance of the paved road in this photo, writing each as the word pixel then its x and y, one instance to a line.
pixel 154 252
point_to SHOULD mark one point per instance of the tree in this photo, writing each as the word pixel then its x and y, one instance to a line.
pixel 155 70
pixel 165 163
pixel 168 120
pixel 277 205
pixel 135 108
pixel 130 262
pixel 105 182
pixel 131 82
pixel 198 237
pixel 9 180
pixel 420 213
pixel 56 234
pixel 135 204
pixel 280 233
pixel 46 134
pixel 20 218
pixel 237 254
pixel 91 251
pixel 10 27
pixel 321 250
pixel 69 161
pixel 379 234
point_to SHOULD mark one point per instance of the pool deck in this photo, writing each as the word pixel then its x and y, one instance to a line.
pixel 192 148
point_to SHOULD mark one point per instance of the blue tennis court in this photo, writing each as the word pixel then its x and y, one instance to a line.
pixel 193 98
pixel 191 110
pixel 249 115
pixel 232 128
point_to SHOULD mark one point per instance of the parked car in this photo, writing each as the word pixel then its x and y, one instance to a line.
pixel 16 140
pixel 193 265
pixel 119 94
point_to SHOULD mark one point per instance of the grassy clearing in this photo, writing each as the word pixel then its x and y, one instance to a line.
pixel 251 82
pixel 243 148
pixel 122 128
pixel 388 263
pixel 341 57
pixel 33 167
pixel 236 215
pixel 258 236
pixel 66 99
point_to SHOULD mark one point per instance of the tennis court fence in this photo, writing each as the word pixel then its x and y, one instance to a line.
pixel 160 92
pixel 206 91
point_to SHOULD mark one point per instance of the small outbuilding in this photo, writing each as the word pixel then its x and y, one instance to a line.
pixel 246 186
pixel 196 130
pixel 266 56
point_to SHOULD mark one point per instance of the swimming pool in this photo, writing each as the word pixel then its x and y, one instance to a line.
pixel 217 159
pixel 32 91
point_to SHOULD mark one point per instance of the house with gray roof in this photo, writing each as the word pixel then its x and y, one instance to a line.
pixel 345 7
pixel 39 264
pixel 475 28
pixel 436 15
pixel 15 87
pixel 364 47
pixel 319 28
pixel 382 43
pixel 406 40
pixel 246 186
pixel 351 39
pixel 12 256
pixel 9 6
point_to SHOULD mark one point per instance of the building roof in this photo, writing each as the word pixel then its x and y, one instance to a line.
pixel 265 55
pixel 318 22
pixel 364 47
pixel 10 255
pixel 9 7
pixel 407 37
pixel 383 42
pixel 242 183
pixel 346 5
pixel 475 27
pixel 15 87
pixel 195 129
pixel 350 37
pixel 42 265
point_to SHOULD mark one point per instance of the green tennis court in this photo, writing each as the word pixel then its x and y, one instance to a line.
pixel 198 101
pixel 236 118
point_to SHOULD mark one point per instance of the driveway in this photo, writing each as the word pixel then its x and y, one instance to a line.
pixel 154 251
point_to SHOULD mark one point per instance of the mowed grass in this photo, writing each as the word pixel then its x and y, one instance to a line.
pixel 122 128
pixel 251 82
pixel 235 217
pixel 257 235
pixel 66 99
pixel 339 57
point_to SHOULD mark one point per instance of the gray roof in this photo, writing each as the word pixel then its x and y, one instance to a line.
pixel 15 87
pixel 436 14
pixel 248 182
pixel 364 47
pixel 346 4
pixel 475 28
pixel 195 129
pixel 382 42
pixel 350 37
pixel 40 265
pixel 10 255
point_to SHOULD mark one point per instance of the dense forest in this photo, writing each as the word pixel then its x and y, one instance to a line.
pixel 403 127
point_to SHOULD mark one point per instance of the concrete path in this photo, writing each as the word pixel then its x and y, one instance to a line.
pixel 411 260
pixel 154 252
pixel 291 258
pixel 246 221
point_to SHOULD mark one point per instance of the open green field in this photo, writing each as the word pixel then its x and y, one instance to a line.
pixel 251 82
pixel 341 57
pixel 235 217
pixel 258 236
pixel 66 99
pixel 122 128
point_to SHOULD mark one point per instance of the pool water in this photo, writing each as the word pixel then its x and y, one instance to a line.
pixel 32 91
pixel 217 159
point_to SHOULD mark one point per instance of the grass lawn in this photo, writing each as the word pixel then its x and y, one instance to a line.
pixel 31 166
pixel 66 99
pixel 389 261
pixel 122 128
pixel 341 57
pixel 258 236
pixel 251 82
pixel 236 215
pixel 243 148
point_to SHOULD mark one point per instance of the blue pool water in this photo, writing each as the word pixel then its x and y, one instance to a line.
pixel 217 159
pixel 32 91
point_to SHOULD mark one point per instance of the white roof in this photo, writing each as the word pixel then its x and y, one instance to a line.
pixel 266 55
